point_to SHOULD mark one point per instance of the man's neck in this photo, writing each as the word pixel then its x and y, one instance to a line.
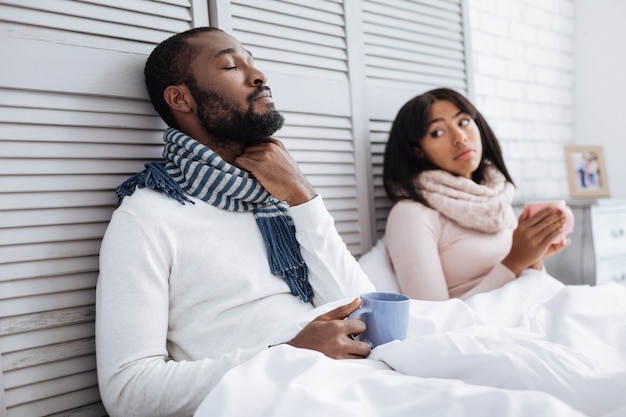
pixel 227 149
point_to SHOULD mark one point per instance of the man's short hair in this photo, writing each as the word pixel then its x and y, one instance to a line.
pixel 169 64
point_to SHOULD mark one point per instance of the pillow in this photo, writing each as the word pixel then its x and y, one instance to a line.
pixel 377 266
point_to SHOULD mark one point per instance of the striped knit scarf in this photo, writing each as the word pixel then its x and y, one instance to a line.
pixel 192 168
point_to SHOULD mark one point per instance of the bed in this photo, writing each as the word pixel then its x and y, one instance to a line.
pixel 534 347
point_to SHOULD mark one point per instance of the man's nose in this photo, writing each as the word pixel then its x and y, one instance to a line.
pixel 257 77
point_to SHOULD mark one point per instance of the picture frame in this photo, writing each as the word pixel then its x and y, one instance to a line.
pixel 586 171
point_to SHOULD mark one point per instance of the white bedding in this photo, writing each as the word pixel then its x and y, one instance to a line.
pixel 532 348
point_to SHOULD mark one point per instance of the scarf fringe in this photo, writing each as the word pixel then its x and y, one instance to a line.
pixel 155 177
pixel 284 255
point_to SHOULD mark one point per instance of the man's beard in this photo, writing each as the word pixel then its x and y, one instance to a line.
pixel 230 125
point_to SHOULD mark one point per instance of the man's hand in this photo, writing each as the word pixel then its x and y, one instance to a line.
pixel 274 167
pixel 330 334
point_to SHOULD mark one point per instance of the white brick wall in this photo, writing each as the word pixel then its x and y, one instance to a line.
pixel 522 57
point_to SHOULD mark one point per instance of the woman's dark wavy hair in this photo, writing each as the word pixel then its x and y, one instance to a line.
pixel 169 64
pixel 401 164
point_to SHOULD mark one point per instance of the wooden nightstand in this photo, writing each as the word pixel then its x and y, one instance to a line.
pixel 597 254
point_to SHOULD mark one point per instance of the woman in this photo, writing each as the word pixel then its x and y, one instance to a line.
pixel 452 231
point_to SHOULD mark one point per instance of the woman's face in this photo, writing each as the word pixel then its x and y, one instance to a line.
pixel 452 141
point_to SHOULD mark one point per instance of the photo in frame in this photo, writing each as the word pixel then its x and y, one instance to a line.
pixel 586 171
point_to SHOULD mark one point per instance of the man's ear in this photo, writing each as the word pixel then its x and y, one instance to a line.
pixel 178 97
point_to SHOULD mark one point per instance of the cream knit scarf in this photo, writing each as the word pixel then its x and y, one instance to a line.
pixel 485 207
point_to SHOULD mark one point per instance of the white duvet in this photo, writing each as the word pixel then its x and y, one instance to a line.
pixel 532 348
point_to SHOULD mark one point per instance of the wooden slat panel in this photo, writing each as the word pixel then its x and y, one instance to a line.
pixel 173 10
pixel 55 233
pixel 38 251
pixel 62 151
pixel 56 404
pixel 92 72
pixel 29 201
pixel 336 192
pixel 90 410
pixel 389 100
pixel 336 94
pixel 51 388
pixel 68 136
pixel 107 29
pixel 457 82
pixel 317 121
pixel 47 302
pixel 336 181
pixel 333 64
pixel 280 69
pixel 320 168
pixel 42 338
pixel 15 218
pixel 315 38
pixel 88 18
pixel 428 7
pixel 324 148
pixel 3 409
pixel 259 41
pixel 60 101
pixel 394 57
pixel 281 11
pixel 410 15
pixel 41 286
pixel 86 40
pixel 306 39
pixel 185 3
pixel 394 33
pixel 50 353
pixel 80 134
pixel 23 166
pixel 300 146
pixel 47 371
pixel 128 12
pixel 409 46
pixel 404 70
pixel 48 267
pixel 429 35
pixel 291 16
pixel 327 6
pixel 65 118
pixel 62 183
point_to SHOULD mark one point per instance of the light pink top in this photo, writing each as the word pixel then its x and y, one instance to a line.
pixel 436 259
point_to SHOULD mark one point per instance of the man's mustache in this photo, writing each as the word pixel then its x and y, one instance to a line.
pixel 259 92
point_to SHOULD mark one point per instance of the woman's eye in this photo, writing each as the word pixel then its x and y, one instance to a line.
pixel 230 68
pixel 464 122
pixel 436 133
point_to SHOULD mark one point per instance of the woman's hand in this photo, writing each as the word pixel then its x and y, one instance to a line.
pixel 532 240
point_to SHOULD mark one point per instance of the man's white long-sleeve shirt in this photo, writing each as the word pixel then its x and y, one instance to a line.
pixel 185 293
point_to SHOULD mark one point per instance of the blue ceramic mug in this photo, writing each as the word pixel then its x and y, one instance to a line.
pixel 386 317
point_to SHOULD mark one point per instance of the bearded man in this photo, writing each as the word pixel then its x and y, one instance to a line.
pixel 217 246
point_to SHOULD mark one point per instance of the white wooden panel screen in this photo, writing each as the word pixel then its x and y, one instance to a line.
pixel 74 122
pixel 410 47
pixel 302 48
